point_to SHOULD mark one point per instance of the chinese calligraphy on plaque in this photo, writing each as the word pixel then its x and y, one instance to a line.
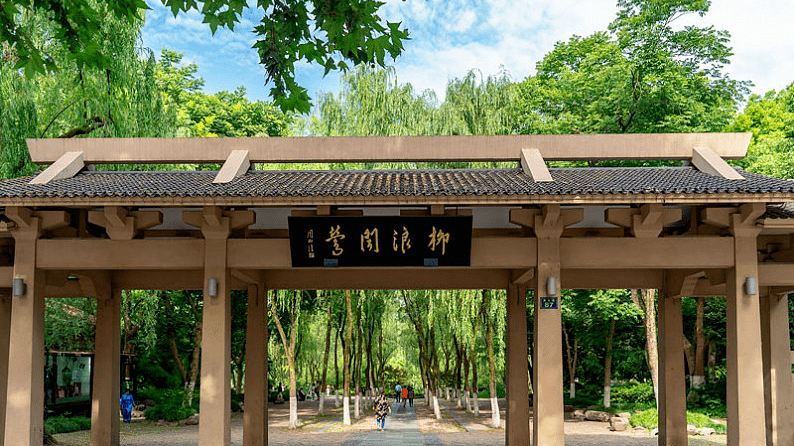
pixel 380 241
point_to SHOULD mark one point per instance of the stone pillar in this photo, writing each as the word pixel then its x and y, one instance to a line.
pixel 672 380
pixel 778 385
pixel 745 383
pixel 107 369
pixel 548 386
pixel 25 397
pixel 5 333
pixel 517 422
pixel 255 418
pixel 215 406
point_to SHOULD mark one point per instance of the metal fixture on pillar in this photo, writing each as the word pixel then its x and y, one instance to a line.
pixel 551 285
pixel 212 287
pixel 750 286
pixel 19 287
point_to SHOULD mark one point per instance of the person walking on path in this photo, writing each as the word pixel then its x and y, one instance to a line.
pixel 382 409
pixel 397 389
pixel 410 394
pixel 404 395
pixel 127 403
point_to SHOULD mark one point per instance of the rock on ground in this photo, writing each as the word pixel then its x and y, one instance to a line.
pixel 619 424
pixel 596 415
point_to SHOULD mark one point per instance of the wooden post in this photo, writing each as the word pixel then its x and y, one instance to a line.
pixel 255 418
pixel 517 422
pixel 215 406
pixel 25 397
pixel 778 385
pixel 672 382
pixel 107 370
pixel 745 384
pixel 5 334
pixel 548 386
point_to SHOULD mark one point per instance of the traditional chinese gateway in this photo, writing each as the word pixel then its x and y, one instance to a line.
pixel 700 229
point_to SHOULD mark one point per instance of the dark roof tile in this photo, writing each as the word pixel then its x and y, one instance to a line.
pixel 395 183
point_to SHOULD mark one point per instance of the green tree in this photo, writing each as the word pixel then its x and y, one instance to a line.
pixel 119 100
pixel 332 34
pixel 642 76
pixel 770 118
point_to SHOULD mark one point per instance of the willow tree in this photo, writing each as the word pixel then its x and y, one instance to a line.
pixel 119 100
pixel 289 301
pixel 493 311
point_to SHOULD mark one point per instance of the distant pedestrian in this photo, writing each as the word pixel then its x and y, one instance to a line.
pixel 312 391
pixel 411 395
pixel 404 395
pixel 382 409
pixel 127 402
pixel 397 390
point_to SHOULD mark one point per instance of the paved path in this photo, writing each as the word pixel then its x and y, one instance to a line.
pixel 401 429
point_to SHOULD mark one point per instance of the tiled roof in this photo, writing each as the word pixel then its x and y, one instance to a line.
pixel 777 211
pixel 394 183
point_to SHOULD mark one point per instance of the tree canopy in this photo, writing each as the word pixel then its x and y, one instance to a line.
pixel 330 33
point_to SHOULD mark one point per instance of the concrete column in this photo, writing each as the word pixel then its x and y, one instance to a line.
pixel 549 412
pixel 25 397
pixel 517 422
pixel 5 333
pixel 672 382
pixel 778 385
pixel 107 370
pixel 745 383
pixel 255 418
pixel 215 406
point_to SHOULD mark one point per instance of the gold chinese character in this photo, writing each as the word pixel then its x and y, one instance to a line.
pixel 334 236
pixel 438 237
pixel 405 241
pixel 366 241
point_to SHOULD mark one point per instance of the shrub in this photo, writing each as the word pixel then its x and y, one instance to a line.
pixel 648 419
pixel 168 412
pixel 634 393
pixel 64 423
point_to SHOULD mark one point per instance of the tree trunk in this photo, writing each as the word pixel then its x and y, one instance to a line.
pixel 346 360
pixel 572 358
pixel 645 299
pixel 608 365
pixel 699 375
pixel 495 421
pixel 475 391
pixel 289 351
pixel 336 368
pixel 328 328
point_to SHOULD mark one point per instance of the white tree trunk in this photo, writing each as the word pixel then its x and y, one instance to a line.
pixel 572 391
pixel 460 400
pixel 496 421
pixel 436 408
pixel 357 409
pixel 321 410
pixel 468 400
pixel 293 412
pixel 336 398
pixel 607 396
pixel 697 381
pixel 346 411
pixel 476 402
pixel 447 393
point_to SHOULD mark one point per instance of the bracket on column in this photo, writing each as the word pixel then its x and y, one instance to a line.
pixel 121 224
pixel 66 166
pixel 646 221
pixel 709 162
pixel 520 278
pixel 534 166
pixel 235 166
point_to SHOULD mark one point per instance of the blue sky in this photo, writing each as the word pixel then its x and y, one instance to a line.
pixel 451 37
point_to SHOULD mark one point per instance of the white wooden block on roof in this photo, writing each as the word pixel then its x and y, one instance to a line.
pixel 533 164
pixel 64 167
pixel 235 166
pixel 711 163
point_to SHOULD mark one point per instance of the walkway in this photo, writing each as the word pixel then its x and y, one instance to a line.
pixel 401 429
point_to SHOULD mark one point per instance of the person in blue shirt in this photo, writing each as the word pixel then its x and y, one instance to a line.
pixel 397 389
pixel 127 403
